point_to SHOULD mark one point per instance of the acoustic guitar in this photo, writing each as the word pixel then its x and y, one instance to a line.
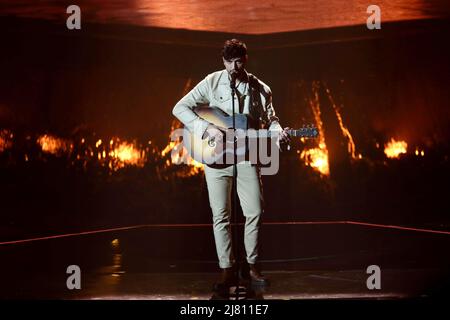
pixel 211 152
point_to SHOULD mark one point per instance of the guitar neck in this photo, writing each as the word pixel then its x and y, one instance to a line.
pixel 295 133
pixel 308 131
pixel 304 132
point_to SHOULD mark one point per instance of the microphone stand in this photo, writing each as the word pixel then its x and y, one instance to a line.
pixel 234 206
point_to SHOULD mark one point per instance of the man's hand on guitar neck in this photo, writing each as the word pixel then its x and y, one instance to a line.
pixel 284 140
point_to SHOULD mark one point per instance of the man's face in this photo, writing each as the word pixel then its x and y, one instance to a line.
pixel 235 65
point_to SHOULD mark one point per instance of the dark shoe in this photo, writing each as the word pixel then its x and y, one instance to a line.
pixel 256 277
pixel 228 277
pixel 221 289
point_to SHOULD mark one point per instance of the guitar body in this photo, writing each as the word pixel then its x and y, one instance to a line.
pixel 222 119
pixel 202 150
pixel 212 152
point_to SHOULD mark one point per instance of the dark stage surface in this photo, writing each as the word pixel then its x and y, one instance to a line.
pixel 156 263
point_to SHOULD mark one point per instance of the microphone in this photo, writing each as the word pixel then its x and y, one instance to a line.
pixel 233 80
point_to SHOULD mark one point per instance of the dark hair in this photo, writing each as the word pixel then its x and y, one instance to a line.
pixel 234 48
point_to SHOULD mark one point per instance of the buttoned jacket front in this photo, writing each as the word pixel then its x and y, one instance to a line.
pixel 214 90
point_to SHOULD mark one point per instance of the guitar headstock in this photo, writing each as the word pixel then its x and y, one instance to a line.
pixel 308 131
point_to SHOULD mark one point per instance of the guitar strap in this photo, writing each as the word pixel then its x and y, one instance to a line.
pixel 257 112
pixel 258 116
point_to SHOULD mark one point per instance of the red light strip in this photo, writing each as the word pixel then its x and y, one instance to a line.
pixel 209 225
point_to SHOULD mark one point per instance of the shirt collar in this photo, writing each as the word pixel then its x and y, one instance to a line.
pixel 224 80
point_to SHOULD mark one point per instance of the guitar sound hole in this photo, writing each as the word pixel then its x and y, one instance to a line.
pixel 212 143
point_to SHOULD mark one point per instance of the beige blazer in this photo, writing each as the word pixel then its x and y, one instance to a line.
pixel 215 90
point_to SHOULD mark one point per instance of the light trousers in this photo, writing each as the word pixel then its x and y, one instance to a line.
pixel 249 189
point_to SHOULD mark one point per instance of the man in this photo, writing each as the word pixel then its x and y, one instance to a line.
pixel 253 97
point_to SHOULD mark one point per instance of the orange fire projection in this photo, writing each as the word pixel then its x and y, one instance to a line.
pixel 393 149
pixel 54 145
pixel 317 158
pixel 351 148
pixel 125 153
pixel 6 137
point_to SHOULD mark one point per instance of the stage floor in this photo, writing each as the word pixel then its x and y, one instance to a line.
pixel 306 261
pixel 333 284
